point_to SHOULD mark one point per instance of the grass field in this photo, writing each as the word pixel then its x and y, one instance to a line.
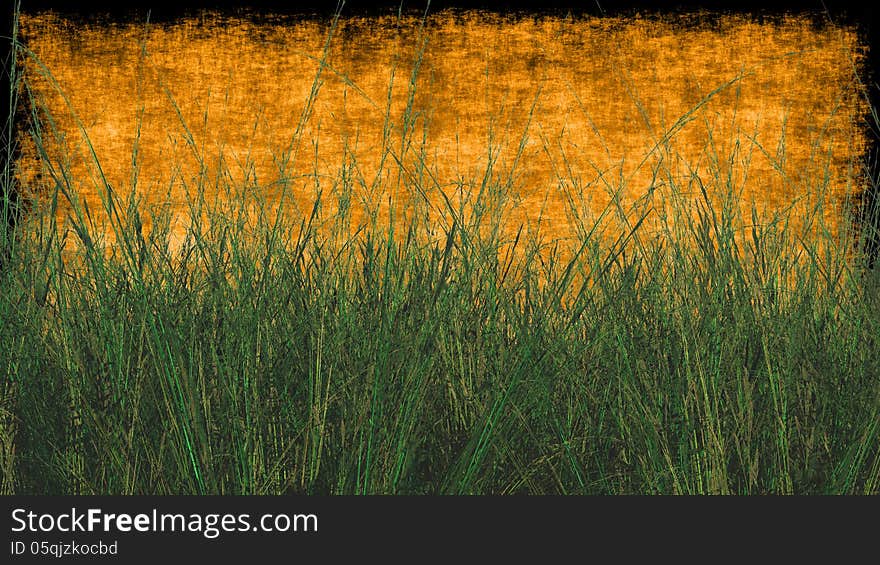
pixel 264 351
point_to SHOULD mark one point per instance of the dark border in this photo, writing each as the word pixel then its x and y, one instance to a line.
pixel 483 529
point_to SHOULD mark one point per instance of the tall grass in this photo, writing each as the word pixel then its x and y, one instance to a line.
pixel 272 352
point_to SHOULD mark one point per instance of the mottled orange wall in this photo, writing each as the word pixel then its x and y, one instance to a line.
pixel 573 112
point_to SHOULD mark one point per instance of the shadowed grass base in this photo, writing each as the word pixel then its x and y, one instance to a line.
pixel 392 366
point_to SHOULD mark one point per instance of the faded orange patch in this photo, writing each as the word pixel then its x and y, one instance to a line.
pixel 562 117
